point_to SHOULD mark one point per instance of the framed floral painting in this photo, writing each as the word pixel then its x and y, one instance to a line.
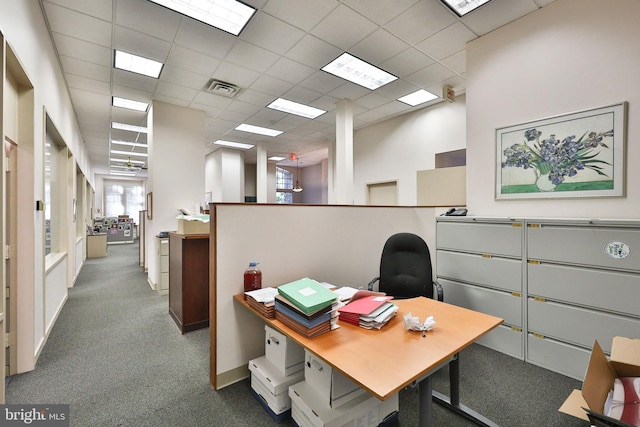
pixel 572 155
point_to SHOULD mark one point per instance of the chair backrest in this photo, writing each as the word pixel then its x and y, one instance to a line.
pixel 405 267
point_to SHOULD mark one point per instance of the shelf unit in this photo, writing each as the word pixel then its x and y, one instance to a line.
pixel 571 283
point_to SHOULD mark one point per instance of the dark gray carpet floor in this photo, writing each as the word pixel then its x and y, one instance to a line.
pixel 116 357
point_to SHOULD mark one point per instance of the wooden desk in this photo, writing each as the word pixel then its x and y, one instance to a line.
pixel 385 361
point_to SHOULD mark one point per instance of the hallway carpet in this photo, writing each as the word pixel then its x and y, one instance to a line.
pixel 116 357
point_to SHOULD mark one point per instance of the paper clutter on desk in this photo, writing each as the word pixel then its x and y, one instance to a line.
pixel 413 323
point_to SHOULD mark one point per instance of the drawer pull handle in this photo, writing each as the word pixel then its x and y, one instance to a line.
pixel 516 294
pixel 533 261
pixel 315 364
pixel 538 335
pixel 274 339
pixel 516 329
pixel 486 256
pixel 539 299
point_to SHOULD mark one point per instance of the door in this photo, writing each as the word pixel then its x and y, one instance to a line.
pixel 10 270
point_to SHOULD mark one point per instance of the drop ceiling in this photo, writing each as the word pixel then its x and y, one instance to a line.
pixel 279 54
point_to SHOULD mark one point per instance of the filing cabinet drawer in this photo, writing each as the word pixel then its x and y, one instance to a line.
pixel 558 356
pixel 164 246
pixel 579 326
pixel 504 339
pixel 497 303
pixel 491 271
pixel 588 246
pixel 489 238
pixel 608 290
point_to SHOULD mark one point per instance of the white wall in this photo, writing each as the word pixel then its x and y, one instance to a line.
pixel 569 56
pixel 225 175
pixel 24 29
pixel 394 150
pixel 176 169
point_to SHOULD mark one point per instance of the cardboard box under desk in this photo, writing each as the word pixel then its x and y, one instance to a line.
pixel 600 376
pixel 333 387
pixel 271 384
pixel 307 411
pixel 192 227
pixel 285 354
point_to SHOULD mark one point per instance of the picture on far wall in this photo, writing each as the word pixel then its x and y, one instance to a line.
pixel 572 155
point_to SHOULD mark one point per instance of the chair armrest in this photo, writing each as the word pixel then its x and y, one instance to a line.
pixel 439 291
pixel 371 283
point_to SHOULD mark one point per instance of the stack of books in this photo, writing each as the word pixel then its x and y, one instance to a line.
pixel 263 301
pixel 368 310
pixel 307 307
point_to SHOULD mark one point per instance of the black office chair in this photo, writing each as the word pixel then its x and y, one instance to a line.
pixel 405 268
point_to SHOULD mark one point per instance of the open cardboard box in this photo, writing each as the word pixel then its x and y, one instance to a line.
pixel 600 375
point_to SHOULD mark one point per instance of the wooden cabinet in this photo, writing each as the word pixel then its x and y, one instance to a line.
pixel 559 285
pixel 189 280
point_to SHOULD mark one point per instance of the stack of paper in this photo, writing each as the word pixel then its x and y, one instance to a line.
pixel 262 300
pixel 368 310
pixel 307 307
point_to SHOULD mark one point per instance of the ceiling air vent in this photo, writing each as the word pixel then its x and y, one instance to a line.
pixel 221 88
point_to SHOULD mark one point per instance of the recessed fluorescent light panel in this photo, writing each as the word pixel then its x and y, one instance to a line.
pixel 462 7
pixel 276 158
pixel 132 128
pixel 129 103
pixel 137 64
pixel 135 162
pixel 418 97
pixel 291 107
pixel 227 15
pixel 122 173
pixel 233 144
pixel 129 153
pixel 129 144
pixel 359 72
pixel 259 130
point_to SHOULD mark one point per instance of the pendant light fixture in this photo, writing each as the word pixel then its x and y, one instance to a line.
pixel 297 187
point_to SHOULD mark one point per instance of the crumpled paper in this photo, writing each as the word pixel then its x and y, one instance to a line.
pixel 413 323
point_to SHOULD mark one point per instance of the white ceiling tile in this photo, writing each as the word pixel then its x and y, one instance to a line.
pixel 456 62
pixel 407 62
pixel 302 95
pixel 211 100
pixel 349 91
pixel 204 39
pixel 304 14
pixel 184 78
pixel 84 50
pixel 101 9
pixel 372 100
pixel 191 60
pixel 234 74
pixel 81 68
pixel 251 56
pixel 397 89
pixel 78 25
pixel 380 12
pixel 88 84
pixel 132 93
pixel 313 52
pixel 271 33
pixel 270 85
pixel 149 18
pixel 378 47
pixel 141 44
pixel 175 91
pixel 496 14
pixel 420 21
pixel 134 81
pixel 321 81
pixel 344 27
pixel 293 71
pixel 430 75
pixel 446 42
pixel 327 103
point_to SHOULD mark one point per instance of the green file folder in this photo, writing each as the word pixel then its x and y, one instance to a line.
pixel 307 294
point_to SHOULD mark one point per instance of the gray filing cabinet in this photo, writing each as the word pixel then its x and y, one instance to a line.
pixel 479 264
pixel 579 281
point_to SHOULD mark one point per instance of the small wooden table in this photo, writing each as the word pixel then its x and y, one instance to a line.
pixel 385 361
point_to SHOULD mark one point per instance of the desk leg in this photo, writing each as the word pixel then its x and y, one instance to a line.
pixel 453 402
pixel 425 391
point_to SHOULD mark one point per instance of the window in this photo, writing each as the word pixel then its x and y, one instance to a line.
pixel 284 186
pixel 54 173
pixel 124 198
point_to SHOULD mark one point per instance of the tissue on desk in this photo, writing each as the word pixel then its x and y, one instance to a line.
pixel 413 323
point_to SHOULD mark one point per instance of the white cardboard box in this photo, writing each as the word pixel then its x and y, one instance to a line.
pixel 333 387
pixel 192 227
pixel 274 380
pixel 286 355
pixel 307 411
